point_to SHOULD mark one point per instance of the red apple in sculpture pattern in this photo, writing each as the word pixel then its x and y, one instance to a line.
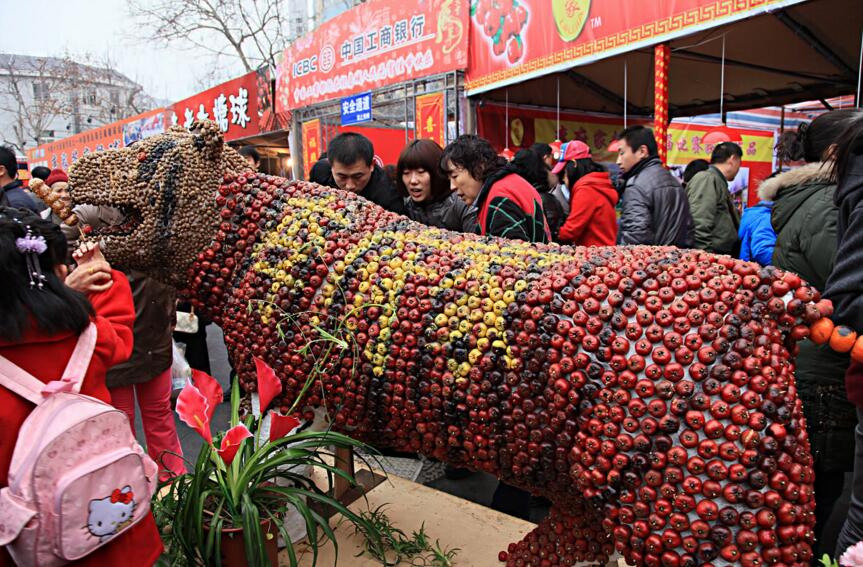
pixel 648 392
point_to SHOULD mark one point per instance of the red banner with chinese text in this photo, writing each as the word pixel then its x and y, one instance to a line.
pixel 311 145
pixel 683 141
pixel 430 119
pixel 373 45
pixel 516 40
pixel 67 151
pixel 233 105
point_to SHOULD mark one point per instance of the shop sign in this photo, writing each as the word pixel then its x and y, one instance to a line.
pixel 430 117
pixel 516 40
pixel 373 45
pixel 356 109
pixel 63 153
pixel 232 105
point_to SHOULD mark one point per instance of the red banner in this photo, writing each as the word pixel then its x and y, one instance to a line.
pixel 311 144
pixel 515 40
pixel 430 119
pixel 373 45
pixel 232 105
pixel 683 142
pixel 67 151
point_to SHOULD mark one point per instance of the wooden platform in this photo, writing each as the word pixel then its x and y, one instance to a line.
pixel 479 532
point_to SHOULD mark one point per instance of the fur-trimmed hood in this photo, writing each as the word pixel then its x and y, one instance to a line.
pixel 817 172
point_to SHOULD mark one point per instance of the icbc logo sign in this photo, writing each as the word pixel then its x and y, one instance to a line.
pixel 305 66
pixel 328 58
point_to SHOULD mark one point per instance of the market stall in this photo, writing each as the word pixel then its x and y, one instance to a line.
pixel 685 141
pixel 389 70
pixel 717 57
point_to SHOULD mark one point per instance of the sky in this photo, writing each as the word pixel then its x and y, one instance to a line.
pixel 104 26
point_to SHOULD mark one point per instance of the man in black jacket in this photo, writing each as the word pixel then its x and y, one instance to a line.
pixel 12 192
pixel 351 156
pixel 655 207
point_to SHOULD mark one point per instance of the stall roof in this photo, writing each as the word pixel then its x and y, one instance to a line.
pixel 804 52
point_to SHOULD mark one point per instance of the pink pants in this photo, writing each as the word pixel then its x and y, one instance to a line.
pixel 154 399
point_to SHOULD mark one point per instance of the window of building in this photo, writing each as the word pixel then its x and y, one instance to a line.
pixel 40 91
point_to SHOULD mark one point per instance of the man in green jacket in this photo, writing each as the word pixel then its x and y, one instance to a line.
pixel 715 216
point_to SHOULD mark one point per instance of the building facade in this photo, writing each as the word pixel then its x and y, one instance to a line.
pixel 43 99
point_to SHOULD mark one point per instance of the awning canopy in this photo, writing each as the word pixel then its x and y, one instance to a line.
pixel 808 51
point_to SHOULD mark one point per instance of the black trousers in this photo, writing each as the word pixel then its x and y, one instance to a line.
pixel 828 489
pixel 852 531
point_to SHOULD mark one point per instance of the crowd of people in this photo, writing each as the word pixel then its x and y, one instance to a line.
pixel 809 221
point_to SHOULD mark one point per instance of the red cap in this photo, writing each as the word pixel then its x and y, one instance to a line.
pixel 57 174
pixel 574 150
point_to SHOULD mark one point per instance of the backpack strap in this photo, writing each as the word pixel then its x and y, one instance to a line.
pixel 34 390
pixel 78 363
pixel 22 383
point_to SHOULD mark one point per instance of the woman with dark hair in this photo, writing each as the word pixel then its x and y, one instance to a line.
pixel 592 220
pixel 804 218
pixel 42 318
pixel 530 166
pixel 428 197
pixel 506 204
pixel 693 167
pixel 845 289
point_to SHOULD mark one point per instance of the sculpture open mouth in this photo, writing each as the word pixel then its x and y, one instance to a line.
pixel 128 218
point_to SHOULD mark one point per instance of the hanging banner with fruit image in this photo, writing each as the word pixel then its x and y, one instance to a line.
pixel 311 144
pixel 430 118
pixel 515 40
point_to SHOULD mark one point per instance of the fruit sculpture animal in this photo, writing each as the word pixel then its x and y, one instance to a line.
pixel 647 392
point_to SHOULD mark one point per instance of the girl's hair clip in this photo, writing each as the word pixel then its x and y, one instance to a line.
pixel 31 247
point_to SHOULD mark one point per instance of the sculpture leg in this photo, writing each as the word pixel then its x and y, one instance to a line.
pixel 564 538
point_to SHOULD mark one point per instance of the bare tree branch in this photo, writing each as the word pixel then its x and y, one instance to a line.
pixel 252 31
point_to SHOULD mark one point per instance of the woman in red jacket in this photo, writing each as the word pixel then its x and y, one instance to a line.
pixel 40 328
pixel 506 204
pixel 592 220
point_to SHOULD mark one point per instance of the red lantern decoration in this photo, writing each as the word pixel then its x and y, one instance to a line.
pixel 507 153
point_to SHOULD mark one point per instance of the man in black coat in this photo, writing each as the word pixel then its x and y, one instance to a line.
pixel 351 156
pixel 655 207
pixel 12 192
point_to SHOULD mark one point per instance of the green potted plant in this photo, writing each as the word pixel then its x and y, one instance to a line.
pixel 229 509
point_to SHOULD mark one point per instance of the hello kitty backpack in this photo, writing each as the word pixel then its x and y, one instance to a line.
pixel 77 478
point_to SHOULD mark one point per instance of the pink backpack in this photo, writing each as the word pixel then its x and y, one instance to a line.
pixel 78 478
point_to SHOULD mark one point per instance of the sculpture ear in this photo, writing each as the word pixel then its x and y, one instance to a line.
pixel 208 138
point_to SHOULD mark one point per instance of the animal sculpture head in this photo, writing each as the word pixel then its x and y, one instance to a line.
pixel 166 187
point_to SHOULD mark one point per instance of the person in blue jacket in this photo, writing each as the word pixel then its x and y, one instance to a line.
pixel 757 237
